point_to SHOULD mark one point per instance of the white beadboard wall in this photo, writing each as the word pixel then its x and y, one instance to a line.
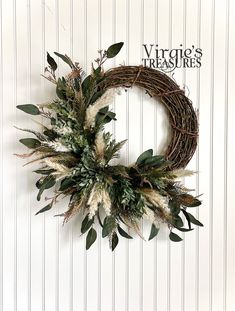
pixel 43 265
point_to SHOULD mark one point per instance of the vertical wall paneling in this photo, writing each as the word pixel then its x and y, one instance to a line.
pixel 1 164
pixel 44 265
pixel 230 282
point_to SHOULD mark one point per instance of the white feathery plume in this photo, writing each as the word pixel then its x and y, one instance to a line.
pixel 159 201
pixel 61 169
pixel 155 198
pixel 58 146
pixel 93 202
pixel 98 196
pixel 179 173
pixel 104 101
pixel 151 216
pixel 106 202
pixel 100 145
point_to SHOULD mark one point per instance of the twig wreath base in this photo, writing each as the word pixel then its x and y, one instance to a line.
pixel 75 153
pixel 182 117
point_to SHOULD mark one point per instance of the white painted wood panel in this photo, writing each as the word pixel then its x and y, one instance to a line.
pixel 44 265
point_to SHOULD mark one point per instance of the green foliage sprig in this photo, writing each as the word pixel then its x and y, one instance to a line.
pixel 75 154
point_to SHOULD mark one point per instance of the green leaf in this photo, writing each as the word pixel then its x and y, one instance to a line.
pixel 51 62
pixel 96 96
pixel 115 241
pixel 108 226
pixel 177 221
pixel 66 183
pixel 124 233
pixel 91 237
pixel 174 237
pixel 44 171
pixel 194 220
pixel 174 207
pixel 47 183
pixel 104 116
pixel 145 155
pixel 31 143
pixel 44 209
pixel 187 217
pixel 86 224
pixel 188 200
pixel 38 183
pixel 50 134
pixel 97 71
pixel 30 109
pixel 65 58
pixel 184 229
pixel 86 84
pixel 99 219
pixel 154 161
pixel 114 49
pixel 61 89
pixel 154 232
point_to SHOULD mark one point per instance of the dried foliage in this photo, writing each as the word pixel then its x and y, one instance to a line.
pixel 74 152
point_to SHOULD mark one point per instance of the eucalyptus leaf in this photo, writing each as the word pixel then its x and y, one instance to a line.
pixel 177 221
pixel 47 183
pixel 194 220
pixel 154 161
pixel 108 226
pixel 86 84
pixel 44 209
pixel 91 237
pixel 66 183
pixel 99 219
pixel 65 58
pixel 145 155
pixel 154 232
pixel 31 143
pixel 38 183
pixel 123 233
pixel 174 207
pixel 187 217
pixel 114 49
pixel 51 62
pixel 183 229
pixel 86 224
pixel 115 241
pixel 61 89
pixel 96 96
pixel 174 237
pixel 97 71
pixel 30 109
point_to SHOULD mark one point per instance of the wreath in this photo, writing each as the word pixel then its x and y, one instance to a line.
pixel 75 152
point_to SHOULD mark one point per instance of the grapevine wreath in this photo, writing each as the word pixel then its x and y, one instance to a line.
pixel 75 152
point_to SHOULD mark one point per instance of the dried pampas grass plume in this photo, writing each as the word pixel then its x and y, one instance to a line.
pixel 91 112
pixel 100 145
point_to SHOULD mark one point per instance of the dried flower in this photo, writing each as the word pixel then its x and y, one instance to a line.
pixel 99 195
pixel 182 173
pixel 60 169
pixel 100 145
pixel 91 112
pixel 106 201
